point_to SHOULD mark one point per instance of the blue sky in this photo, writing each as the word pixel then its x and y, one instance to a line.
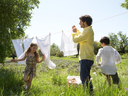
pixel 53 16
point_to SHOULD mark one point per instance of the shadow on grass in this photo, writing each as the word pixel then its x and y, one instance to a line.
pixel 10 82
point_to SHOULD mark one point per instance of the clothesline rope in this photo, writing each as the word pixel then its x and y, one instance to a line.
pixel 98 21
pixel 50 33
pixel 111 17
pixel 93 23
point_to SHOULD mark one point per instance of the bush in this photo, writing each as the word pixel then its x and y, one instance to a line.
pixel 60 54
pixel 96 46
pixel 54 49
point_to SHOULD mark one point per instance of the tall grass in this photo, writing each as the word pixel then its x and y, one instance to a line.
pixel 54 82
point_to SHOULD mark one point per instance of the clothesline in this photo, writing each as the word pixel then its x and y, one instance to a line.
pixel 50 33
pixel 96 21
pixel 67 46
pixel 111 17
pixel 93 23
pixel 44 45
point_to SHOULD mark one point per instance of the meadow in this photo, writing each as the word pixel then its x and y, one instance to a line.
pixel 53 82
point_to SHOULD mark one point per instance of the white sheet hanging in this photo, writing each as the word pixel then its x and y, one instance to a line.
pixel 26 43
pixel 18 47
pixel 67 45
pixel 44 45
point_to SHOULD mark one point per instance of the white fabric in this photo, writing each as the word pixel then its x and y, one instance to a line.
pixel 109 57
pixel 75 78
pixel 19 49
pixel 26 43
pixel 44 45
pixel 67 45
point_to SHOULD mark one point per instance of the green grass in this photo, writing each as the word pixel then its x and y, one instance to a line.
pixel 54 82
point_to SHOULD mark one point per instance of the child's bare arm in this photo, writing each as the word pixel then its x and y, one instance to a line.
pixel 15 60
pixel 43 57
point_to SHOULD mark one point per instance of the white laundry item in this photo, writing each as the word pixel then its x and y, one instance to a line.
pixel 74 80
pixel 67 45
pixel 18 47
pixel 44 45
pixel 26 43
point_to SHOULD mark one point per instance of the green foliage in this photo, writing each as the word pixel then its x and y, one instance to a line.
pixel 40 53
pixel 126 47
pixel 15 16
pixel 2 53
pixel 119 41
pixel 113 40
pixel 123 41
pixel 54 82
pixel 125 4
pixel 59 54
pixel 54 49
pixel 56 79
pixel 97 46
pixel 11 81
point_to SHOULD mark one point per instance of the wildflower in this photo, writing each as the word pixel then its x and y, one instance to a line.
pixel 95 73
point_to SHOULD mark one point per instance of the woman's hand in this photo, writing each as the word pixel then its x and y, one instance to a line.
pixel 13 60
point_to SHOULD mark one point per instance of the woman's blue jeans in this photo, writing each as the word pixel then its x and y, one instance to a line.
pixel 85 67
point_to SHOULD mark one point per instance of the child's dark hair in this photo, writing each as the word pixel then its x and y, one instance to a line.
pixel 105 40
pixel 87 19
pixel 35 53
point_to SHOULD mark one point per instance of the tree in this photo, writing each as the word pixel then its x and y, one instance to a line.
pixel 125 5
pixel 113 40
pixel 123 42
pixel 96 46
pixel 15 16
pixel 126 47
pixel 60 54
pixel 54 49
pixel 119 41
